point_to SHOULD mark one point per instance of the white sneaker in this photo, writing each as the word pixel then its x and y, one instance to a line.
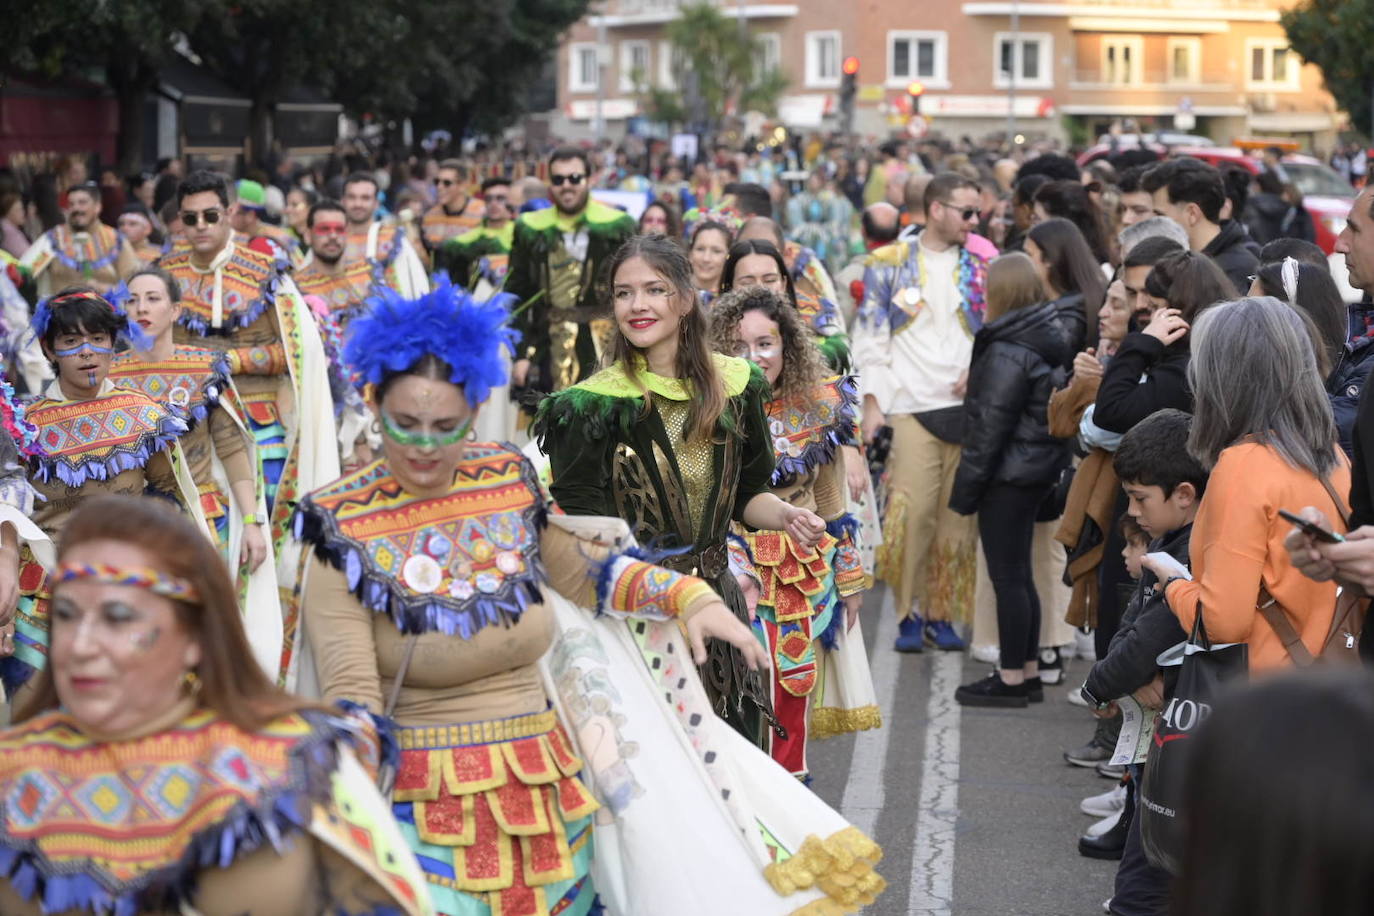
pixel 1084 646
pixel 1075 696
pixel 1107 905
pixel 1107 823
pixel 988 655
pixel 1104 805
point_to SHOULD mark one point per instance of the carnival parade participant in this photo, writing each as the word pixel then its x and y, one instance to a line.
pixel 80 251
pixel 456 212
pixel 755 208
pixel 382 244
pixel 482 254
pixel 92 438
pixel 556 262
pixel 758 262
pixel 913 340
pixel 674 439
pixel 219 794
pixel 247 218
pixel 136 225
pixel 243 303
pixel 195 381
pixel 810 597
pixel 343 285
pixel 430 598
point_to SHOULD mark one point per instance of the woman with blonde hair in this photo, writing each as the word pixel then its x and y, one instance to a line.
pixel 1010 463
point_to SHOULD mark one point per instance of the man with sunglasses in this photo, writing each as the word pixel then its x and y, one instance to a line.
pixel 912 344
pixel 483 254
pixel 556 260
pixel 457 211
pixel 242 301
pixel 381 243
pixel 82 251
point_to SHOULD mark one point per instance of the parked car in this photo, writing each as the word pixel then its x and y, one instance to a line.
pixel 1326 195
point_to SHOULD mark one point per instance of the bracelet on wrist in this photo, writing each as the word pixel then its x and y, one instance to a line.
pixel 251 518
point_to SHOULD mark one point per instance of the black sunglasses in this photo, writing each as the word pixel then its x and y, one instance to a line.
pixel 192 218
pixel 559 180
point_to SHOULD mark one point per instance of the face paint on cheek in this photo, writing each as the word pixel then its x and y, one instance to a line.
pixel 422 440
pixel 145 641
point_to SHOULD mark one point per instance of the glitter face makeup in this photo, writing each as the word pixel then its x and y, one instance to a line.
pixel 145 641
pixel 417 439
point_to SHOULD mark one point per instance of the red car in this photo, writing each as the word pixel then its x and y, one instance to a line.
pixel 1325 194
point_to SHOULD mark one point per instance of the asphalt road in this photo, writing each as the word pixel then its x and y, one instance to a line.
pixel 975 809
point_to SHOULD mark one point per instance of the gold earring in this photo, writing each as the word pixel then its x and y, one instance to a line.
pixel 190 682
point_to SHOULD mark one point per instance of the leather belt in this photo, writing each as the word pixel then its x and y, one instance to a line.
pixel 707 564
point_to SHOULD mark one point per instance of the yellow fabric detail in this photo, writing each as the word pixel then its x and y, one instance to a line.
pixel 829 721
pixel 614 382
pixel 440 736
pixel 841 866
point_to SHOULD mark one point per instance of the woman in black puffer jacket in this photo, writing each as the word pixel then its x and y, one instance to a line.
pixel 1010 462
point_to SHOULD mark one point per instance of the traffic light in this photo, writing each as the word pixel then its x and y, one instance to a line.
pixel 848 89
pixel 914 91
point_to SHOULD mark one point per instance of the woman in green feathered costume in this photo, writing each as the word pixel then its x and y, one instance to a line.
pixel 674 439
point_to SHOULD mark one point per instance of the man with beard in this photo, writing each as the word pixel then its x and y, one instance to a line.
pixel 343 286
pixel 484 253
pixel 381 244
pixel 456 212
pixel 83 251
pixel 556 261
pixel 243 302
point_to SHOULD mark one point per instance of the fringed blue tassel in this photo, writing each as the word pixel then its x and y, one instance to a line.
pixel 14 674
pixel 831 635
pixel 169 429
pixel 846 524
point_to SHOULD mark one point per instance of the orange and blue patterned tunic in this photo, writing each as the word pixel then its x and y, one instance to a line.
pixel 199 816
pixel 487 791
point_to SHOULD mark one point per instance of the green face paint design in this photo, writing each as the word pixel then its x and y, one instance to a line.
pixel 422 440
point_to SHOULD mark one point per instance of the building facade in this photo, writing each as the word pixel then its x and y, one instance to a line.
pixel 1070 70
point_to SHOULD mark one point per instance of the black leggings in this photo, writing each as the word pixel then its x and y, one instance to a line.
pixel 1006 526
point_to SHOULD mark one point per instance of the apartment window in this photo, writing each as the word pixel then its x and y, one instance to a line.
pixel 1029 57
pixel 1122 60
pixel 769 56
pixel 583 67
pixel 1185 60
pixel 919 56
pixel 822 59
pixel 634 64
pixel 1273 65
pixel 669 65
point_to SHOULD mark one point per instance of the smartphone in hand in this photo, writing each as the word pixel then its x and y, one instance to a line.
pixel 1312 529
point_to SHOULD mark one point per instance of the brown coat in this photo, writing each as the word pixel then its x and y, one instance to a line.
pixel 1083 532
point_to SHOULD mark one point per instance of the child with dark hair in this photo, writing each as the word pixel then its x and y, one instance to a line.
pixel 1164 485
pixel 1137 545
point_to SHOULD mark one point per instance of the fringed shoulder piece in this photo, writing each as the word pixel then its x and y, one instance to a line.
pixel 806 431
pixel 126 833
pixel 100 438
pixel 193 379
pixel 250 280
pixel 452 564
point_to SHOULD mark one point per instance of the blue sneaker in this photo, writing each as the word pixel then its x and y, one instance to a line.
pixel 909 635
pixel 941 635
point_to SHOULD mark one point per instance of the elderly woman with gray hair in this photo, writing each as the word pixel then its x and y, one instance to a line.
pixel 1263 426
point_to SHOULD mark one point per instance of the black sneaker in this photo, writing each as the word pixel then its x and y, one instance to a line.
pixel 1089 755
pixel 990 691
pixel 1051 665
pixel 1035 690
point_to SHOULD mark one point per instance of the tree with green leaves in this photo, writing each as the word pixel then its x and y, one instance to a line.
pixel 1338 36
pixel 715 64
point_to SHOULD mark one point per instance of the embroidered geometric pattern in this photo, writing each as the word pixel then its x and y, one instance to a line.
pixel 806 430
pixel 100 437
pixel 345 291
pixel 453 563
pixel 494 819
pixel 248 286
pixel 648 589
pixel 98 249
pixel 192 378
pixel 117 814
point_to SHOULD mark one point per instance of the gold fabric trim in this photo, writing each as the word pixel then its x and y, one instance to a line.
pixel 436 737
pixel 830 721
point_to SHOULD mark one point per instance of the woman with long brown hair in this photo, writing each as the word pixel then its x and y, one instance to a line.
pixel 161 772
pixel 674 439
pixel 811 416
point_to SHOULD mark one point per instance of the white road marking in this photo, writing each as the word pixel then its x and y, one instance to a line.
pixel 932 861
pixel 864 792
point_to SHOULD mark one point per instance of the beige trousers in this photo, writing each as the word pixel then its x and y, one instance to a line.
pixel 927 557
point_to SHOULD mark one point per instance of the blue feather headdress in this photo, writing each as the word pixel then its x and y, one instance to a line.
pixel 393 334
pixel 115 299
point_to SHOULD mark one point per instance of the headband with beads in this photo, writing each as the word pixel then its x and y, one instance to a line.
pixel 132 576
